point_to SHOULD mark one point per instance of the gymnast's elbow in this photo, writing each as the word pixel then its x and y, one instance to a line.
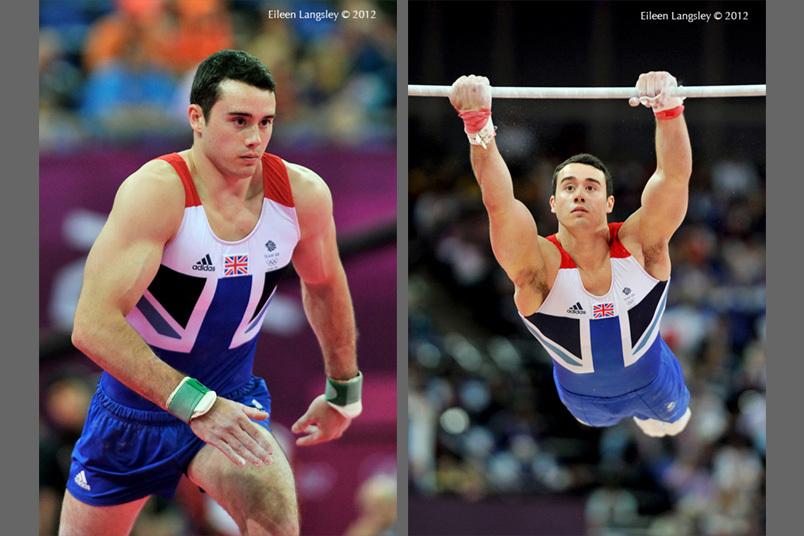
pixel 89 329
pixel 83 333
pixel 498 201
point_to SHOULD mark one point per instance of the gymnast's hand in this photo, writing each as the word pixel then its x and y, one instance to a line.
pixel 227 426
pixel 320 423
pixel 471 96
pixel 654 91
pixel 471 93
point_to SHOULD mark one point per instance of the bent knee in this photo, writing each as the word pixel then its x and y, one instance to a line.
pixel 273 513
pixel 270 523
pixel 273 527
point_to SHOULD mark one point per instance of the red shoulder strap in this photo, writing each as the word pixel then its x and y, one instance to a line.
pixel 191 198
pixel 617 249
pixel 566 260
pixel 275 178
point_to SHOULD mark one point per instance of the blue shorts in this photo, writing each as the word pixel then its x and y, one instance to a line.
pixel 126 454
pixel 665 398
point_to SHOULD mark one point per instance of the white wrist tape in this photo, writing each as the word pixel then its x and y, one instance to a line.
pixel 205 404
pixel 484 135
pixel 349 411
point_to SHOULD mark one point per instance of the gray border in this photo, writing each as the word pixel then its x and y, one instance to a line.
pixel 783 142
pixel 19 217
pixel 402 264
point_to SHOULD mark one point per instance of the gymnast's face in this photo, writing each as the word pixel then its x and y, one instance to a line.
pixel 238 129
pixel 580 198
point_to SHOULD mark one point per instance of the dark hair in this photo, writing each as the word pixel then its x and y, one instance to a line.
pixel 227 65
pixel 590 160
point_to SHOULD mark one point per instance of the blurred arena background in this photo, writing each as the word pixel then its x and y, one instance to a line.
pixel 491 448
pixel 114 80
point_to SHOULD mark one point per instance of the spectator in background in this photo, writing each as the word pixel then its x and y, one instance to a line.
pixel 135 56
pixel 128 95
pixel 611 507
pixel 65 403
pixel 277 44
pixel 142 54
pixel 59 84
pixel 198 28
pixel 376 503
pixel 59 79
pixel 110 37
pixel 129 86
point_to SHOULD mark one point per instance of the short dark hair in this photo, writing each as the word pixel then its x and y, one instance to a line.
pixel 227 65
pixel 587 159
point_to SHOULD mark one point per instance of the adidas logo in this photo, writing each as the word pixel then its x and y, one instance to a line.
pixel 81 480
pixel 205 264
pixel 257 405
pixel 576 309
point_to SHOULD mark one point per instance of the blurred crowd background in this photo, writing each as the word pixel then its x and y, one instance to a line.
pixel 114 81
pixel 492 449
pixel 123 68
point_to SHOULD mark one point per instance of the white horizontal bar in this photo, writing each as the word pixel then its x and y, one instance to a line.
pixel 593 92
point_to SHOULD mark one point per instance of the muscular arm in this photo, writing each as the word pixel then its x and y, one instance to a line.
pixel 122 262
pixel 328 305
pixel 514 236
pixel 146 214
pixel 325 293
pixel 326 299
pixel 512 229
pixel 665 197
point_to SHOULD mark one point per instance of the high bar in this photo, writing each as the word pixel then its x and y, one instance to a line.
pixel 757 90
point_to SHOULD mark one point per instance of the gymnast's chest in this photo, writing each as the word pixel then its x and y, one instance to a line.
pixel 597 282
pixel 198 251
pixel 617 291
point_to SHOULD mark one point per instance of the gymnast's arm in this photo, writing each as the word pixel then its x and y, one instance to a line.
pixel 326 299
pixel 146 214
pixel 514 237
pixel 666 194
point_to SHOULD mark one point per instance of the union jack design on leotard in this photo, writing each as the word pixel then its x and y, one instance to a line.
pixel 603 310
pixel 235 265
pixel 204 322
pixel 615 349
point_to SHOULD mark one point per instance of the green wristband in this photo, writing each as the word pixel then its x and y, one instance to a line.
pixel 344 393
pixel 186 398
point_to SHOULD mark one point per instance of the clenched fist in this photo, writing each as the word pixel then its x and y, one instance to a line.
pixel 654 91
pixel 469 93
